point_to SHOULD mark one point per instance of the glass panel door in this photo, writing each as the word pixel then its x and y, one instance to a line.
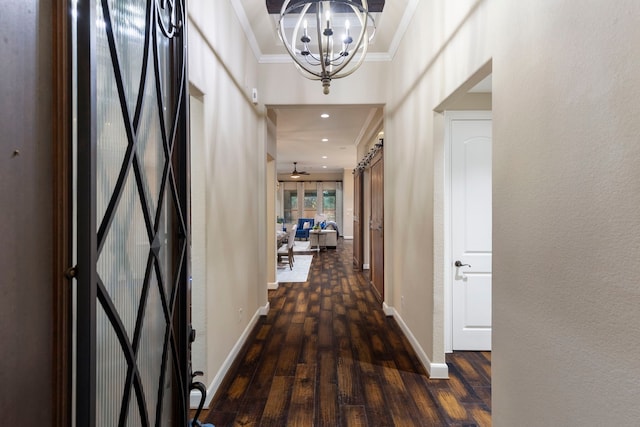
pixel 132 205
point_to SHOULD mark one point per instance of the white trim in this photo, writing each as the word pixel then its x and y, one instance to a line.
pixel 264 310
pixel 281 58
pixel 439 371
pixel 388 311
pixel 194 397
pixel 246 27
pixel 448 301
pixel 272 286
pixel 365 266
pixel 194 400
pixel 435 370
pixel 378 57
pixel 347 237
pixel 402 27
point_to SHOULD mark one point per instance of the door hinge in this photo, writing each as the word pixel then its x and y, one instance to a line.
pixel 71 272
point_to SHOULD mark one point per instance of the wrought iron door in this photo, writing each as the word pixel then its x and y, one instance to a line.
pixel 132 213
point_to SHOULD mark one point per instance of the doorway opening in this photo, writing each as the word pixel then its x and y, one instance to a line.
pixel 472 101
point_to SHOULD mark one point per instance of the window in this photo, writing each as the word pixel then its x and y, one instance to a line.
pixel 290 204
pixel 310 200
pixel 329 204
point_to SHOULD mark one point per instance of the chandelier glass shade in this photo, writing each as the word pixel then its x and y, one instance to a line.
pixel 326 39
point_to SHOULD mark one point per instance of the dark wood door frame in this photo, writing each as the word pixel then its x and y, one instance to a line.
pixel 61 215
pixel 376 226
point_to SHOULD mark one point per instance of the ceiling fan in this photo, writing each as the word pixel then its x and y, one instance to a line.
pixel 296 173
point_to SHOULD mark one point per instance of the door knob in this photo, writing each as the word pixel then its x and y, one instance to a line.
pixel 460 264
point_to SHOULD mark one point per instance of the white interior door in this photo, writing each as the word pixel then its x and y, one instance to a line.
pixel 471 232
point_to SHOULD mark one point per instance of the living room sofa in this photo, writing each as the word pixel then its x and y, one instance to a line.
pixel 328 238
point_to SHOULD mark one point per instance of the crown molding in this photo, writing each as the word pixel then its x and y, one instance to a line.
pixel 246 27
pixel 274 6
pixel 402 28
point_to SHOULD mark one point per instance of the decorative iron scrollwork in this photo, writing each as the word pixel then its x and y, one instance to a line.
pixel 172 28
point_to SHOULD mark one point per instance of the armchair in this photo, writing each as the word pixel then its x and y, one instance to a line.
pixel 302 232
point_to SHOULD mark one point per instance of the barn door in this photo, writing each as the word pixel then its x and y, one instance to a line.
pixel 358 246
pixel 377 224
pixel 132 213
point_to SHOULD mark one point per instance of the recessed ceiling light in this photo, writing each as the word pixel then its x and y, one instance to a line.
pixel 324 115
pixel 324 167
pixel 324 157
pixel 325 139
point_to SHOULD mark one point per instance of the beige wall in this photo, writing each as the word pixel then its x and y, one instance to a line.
pixel 566 223
pixel 224 69
pixel 282 84
pixel 445 33
pixel 347 204
pixel 271 184
pixel 26 224
pixel 565 93
pixel 198 239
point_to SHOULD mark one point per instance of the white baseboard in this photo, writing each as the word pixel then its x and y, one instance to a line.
pixel 194 397
pixel 389 311
pixel 365 266
pixel 264 310
pixel 272 286
pixel 347 237
pixel 435 370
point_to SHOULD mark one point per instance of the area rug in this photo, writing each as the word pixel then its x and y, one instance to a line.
pixel 300 272
pixel 302 246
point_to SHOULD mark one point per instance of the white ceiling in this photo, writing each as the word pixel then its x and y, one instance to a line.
pixel 300 129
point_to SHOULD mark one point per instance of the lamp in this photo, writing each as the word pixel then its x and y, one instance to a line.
pixel 324 36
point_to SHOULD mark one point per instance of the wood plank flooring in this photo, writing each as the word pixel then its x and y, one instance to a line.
pixel 326 355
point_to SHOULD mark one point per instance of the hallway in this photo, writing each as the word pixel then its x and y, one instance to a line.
pixel 326 355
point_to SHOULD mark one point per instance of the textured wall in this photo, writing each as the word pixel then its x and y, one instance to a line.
pixel 566 222
pixel 25 213
pixel 223 68
pixel 452 40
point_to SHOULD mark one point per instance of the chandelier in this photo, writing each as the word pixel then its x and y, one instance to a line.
pixel 327 39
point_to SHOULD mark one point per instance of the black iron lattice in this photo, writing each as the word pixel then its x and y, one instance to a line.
pixel 163 19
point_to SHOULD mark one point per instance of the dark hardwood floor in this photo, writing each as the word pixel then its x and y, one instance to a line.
pixel 326 355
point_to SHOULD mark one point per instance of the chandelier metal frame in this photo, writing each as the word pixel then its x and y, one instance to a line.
pixel 319 59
